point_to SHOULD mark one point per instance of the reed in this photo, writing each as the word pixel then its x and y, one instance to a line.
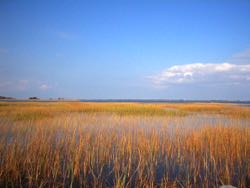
pixel 122 145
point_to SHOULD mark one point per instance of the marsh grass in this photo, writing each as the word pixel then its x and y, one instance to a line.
pixel 229 110
pixel 121 145
pixel 39 110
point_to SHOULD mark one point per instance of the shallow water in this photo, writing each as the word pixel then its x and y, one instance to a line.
pixel 104 125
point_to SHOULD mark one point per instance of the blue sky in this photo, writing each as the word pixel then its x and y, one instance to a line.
pixel 125 49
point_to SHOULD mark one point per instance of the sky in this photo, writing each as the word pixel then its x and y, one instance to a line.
pixel 198 50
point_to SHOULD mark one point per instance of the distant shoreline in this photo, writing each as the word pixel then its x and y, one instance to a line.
pixel 163 101
pixel 126 100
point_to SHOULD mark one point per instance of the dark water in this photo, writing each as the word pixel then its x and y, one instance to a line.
pixel 242 103
pixel 164 101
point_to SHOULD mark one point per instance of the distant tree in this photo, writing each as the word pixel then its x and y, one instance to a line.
pixel 3 97
pixel 33 98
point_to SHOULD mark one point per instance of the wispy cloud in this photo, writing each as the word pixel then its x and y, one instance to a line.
pixel 23 85
pixel 44 87
pixel 18 85
pixel 223 73
pixel 242 57
pixel 5 84
pixel 243 54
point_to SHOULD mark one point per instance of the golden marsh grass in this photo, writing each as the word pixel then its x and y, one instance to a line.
pixel 74 144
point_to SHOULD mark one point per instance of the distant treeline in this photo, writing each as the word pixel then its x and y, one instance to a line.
pixel 3 97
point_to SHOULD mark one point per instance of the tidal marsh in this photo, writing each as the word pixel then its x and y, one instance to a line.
pixel 75 144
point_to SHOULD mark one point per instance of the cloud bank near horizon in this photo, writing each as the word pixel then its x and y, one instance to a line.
pixel 203 73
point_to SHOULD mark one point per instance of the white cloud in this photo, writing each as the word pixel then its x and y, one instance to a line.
pixel 224 73
pixel 44 87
